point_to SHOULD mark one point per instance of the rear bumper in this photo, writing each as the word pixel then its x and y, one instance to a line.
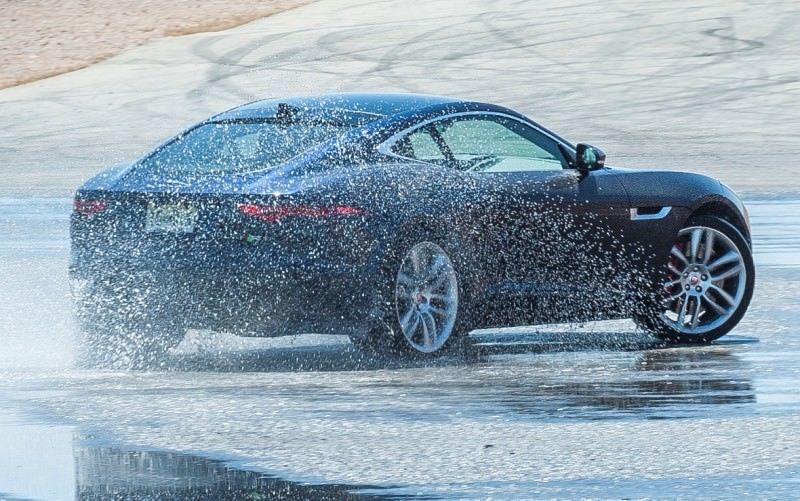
pixel 251 294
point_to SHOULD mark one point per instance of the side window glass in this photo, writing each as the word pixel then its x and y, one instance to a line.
pixel 424 146
pixel 419 145
pixel 496 144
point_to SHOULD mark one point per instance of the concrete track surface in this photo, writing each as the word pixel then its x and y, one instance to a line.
pixel 712 87
pixel 598 411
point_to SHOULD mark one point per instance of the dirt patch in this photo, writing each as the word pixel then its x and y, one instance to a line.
pixel 42 38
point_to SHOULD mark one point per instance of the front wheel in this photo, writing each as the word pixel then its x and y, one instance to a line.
pixel 709 283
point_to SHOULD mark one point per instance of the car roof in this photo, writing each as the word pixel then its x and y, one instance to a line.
pixel 377 104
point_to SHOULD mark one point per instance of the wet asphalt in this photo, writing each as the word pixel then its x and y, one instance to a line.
pixel 596 410
pixel 592 411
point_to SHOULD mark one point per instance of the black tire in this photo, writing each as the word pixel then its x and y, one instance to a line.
pixel 649 317
pixel 385 335
pixel 123 328
pixel 378 339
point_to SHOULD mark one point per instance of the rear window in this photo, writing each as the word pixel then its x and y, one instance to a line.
pixel 241 146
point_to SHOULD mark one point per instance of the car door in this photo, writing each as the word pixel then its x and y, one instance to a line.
pixel 545 234
pixel 569 234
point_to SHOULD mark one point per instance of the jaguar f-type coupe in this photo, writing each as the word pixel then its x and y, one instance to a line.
pixel 403 221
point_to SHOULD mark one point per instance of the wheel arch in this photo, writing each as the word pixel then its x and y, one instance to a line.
pixel 444 231
pixel 395 241
pixel 725 209
pixel 413 228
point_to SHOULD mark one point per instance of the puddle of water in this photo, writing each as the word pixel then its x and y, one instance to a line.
pixel 36 460
pixel 54 462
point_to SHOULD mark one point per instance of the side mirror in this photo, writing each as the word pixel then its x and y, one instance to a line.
pixel 589 158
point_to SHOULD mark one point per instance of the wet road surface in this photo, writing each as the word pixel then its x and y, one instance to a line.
pixel 579 411
pixel 595 411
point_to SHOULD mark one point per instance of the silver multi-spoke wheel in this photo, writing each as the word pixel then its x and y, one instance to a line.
pixel 707 281
pixel 426 297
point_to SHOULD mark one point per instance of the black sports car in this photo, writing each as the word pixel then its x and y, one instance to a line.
pixel 403 221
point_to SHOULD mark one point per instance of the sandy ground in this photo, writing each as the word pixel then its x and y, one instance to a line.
pixel 713 88
pixel 41 38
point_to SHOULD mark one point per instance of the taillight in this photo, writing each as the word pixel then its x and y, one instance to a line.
pixel 86 207
pixel 273 213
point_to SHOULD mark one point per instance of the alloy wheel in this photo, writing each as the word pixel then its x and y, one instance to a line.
pixel 426 297
pixel 706 281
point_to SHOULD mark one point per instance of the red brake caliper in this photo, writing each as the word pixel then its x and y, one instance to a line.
pixel 671 276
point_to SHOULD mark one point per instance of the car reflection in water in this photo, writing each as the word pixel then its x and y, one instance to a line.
pixel 110 473
pixel 664 384
pixel 597 375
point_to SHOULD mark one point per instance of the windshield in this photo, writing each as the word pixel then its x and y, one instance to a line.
pixel 240 146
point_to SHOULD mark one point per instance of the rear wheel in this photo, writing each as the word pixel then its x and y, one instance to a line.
pixel 709 283
pixel 426 298
pixel 421 314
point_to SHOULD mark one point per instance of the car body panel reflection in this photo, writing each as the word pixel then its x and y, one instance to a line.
pixel 109 473
pixel 552 375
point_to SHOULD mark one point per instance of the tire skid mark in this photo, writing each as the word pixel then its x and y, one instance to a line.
pixel 748 45
pixel 680 79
